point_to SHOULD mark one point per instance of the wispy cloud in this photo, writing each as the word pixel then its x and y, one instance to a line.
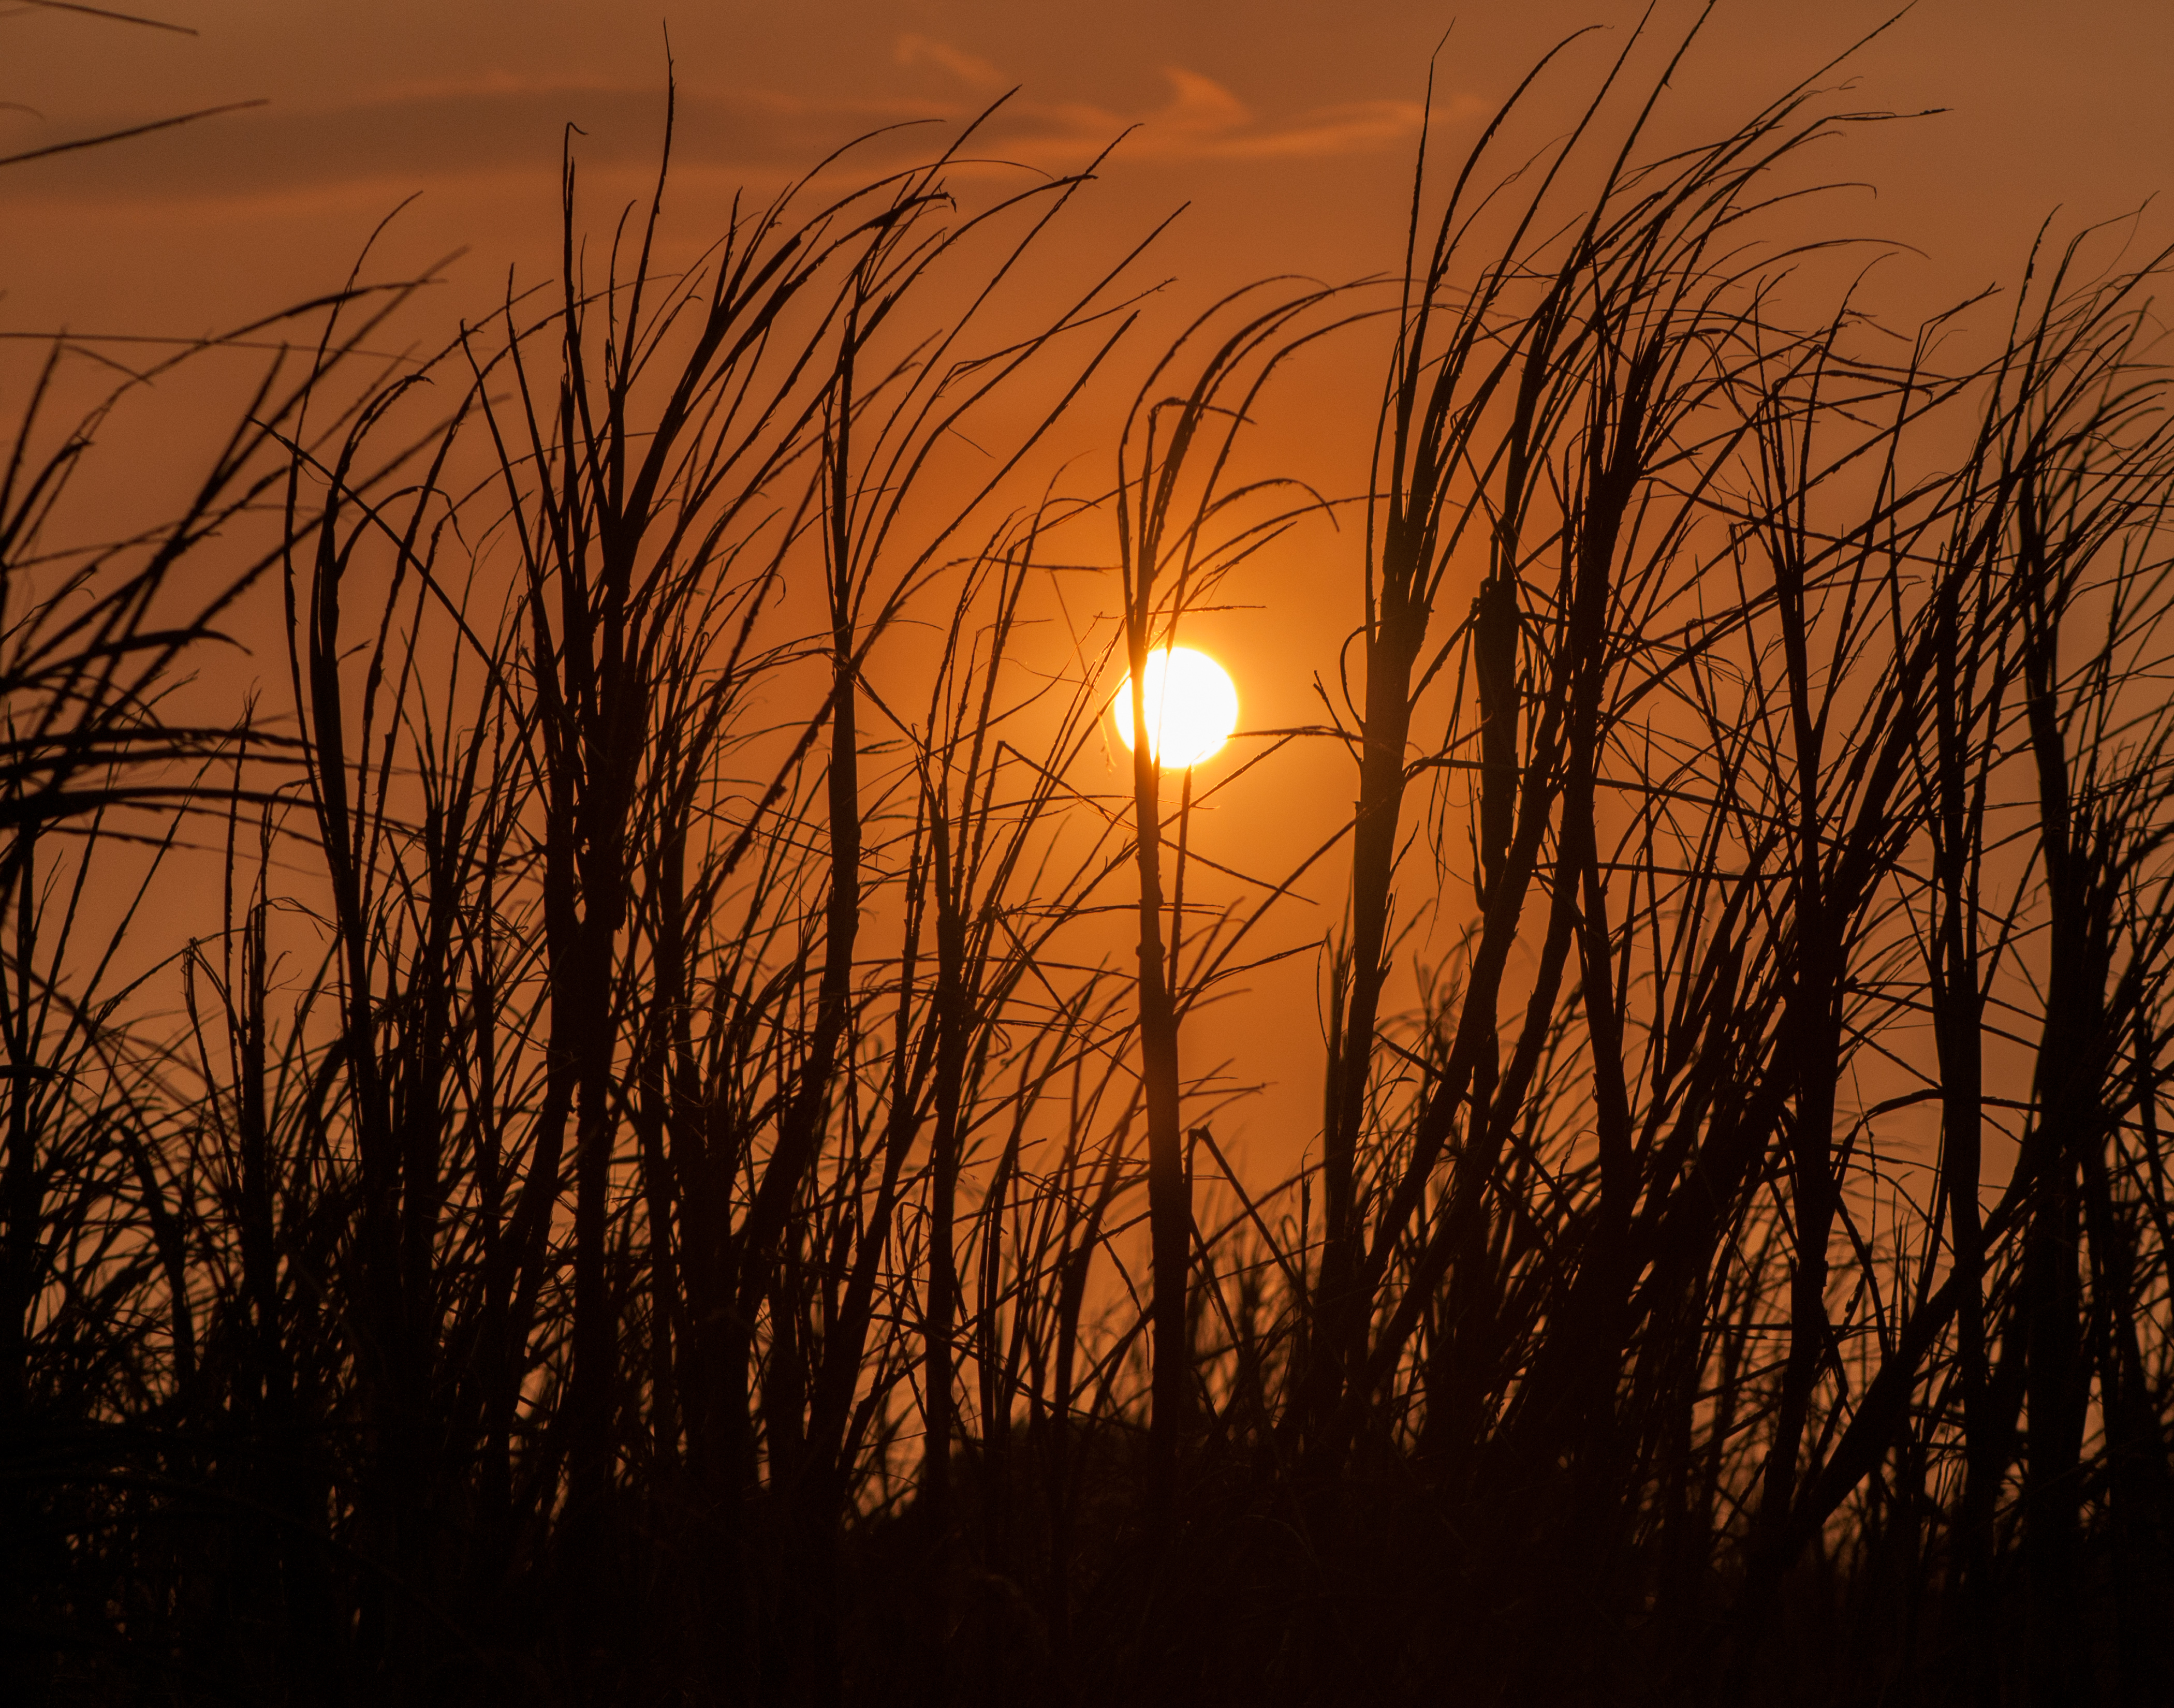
pixel 1205 119
pixel 1202 120
pixel 970 69
pixel 421 136
pixel 424 133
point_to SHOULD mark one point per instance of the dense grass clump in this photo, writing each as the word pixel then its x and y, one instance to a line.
pixel 670 1170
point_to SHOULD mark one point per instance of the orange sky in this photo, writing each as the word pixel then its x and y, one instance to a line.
pixel 1288 125
pixel 1285 122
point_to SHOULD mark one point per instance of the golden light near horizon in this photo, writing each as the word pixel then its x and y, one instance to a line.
pixel 1191 707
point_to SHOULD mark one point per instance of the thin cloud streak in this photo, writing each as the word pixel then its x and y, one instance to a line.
pixel 431 134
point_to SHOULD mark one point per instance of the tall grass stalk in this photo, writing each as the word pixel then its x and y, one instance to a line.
pixel 675 1172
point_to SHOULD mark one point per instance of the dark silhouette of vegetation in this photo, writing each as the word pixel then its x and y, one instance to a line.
pixel 675 1175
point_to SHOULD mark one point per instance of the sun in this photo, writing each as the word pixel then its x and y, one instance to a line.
pixel 1191 703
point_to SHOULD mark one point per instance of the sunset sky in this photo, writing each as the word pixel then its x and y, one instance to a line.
pixel 1287 125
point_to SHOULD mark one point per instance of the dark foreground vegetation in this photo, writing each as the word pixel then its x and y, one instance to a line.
pixel 658 1177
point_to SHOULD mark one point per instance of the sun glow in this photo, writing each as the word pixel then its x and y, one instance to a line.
pixel 1191 707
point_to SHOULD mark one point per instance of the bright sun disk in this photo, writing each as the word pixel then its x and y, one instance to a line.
pixel 1192 706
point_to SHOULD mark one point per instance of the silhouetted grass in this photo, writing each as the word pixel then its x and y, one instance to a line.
pixel 646 1195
